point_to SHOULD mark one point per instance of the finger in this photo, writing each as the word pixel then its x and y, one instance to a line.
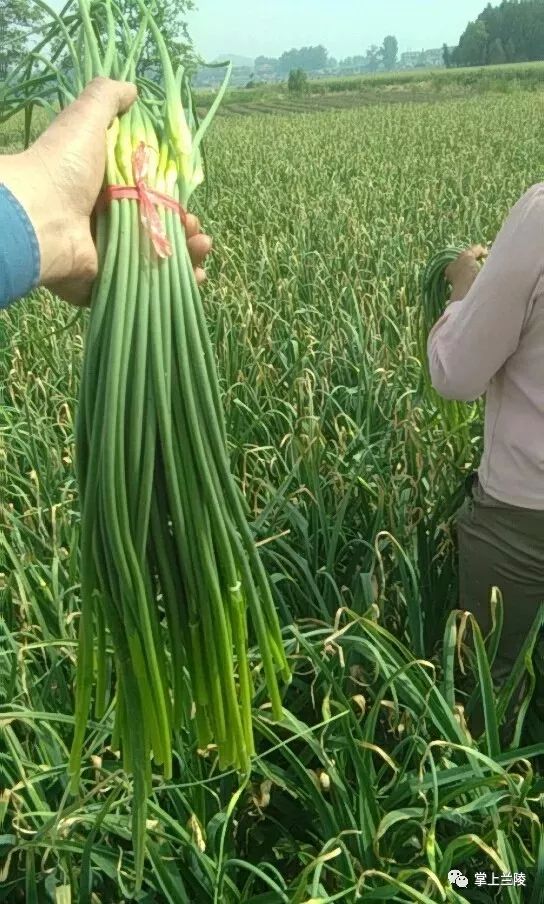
pixel 200 276
pixel 192 226
pixel 199 248
pixel 102 100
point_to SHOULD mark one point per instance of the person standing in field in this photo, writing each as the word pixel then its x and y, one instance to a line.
pixel 490 341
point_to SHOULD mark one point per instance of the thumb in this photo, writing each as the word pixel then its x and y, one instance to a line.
pixel 97 106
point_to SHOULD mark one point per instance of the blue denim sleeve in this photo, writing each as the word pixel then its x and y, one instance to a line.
pixel 19 250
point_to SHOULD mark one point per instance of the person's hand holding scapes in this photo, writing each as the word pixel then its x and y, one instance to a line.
pixel 58 181
pixel 464 270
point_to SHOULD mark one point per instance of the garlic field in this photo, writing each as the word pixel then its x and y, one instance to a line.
pixel 371 788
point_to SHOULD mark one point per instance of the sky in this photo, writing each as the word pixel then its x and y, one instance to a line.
pixel 346 27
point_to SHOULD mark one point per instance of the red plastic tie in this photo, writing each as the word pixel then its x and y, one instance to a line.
pixel 149 201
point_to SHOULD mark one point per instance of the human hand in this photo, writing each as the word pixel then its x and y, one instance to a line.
pixel 466 264
pixel 462 272
pixel 58 181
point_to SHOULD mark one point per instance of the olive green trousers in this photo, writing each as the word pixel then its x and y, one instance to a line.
pixel 502 546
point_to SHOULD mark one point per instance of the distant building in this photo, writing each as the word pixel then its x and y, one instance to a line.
pixel 352 69
pixel 434 57
pixel 428 59
pixel 266 71
pixel 212 78
pixel 241 75
pixel 410 59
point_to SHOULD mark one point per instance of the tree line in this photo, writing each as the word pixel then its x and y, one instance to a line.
pixel 510 33
pixel 22 21
pixel 317 59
